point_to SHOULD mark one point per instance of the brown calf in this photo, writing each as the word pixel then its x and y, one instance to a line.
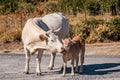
pixel 71 52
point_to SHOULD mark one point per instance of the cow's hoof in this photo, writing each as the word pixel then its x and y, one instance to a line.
pixel 63 75
pixel 38 74
pixel 50 68
pixel 62 68
pixel 25 72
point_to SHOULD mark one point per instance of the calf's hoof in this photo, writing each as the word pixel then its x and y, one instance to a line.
pixel 63 75
pixel 80 72
pixel 72 74
pixel 76 71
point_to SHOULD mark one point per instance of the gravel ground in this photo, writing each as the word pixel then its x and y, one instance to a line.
pixel 95 68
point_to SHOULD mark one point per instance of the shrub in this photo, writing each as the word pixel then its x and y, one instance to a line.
pixel 11 35
pixel 13 6
pixel 114 33
pixel 93 7
pixel 70 6
pixel 93 31
pixel 81 30
pixel 99 34
pixel 51 6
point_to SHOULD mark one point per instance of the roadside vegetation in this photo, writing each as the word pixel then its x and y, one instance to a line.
pixel 95 20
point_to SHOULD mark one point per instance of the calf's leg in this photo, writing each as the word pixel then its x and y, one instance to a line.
pixel 72 67
pixel 77 60
pixel 82 60
pixel 64 67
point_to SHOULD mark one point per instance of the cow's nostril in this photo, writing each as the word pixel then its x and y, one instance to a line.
pixel 62 48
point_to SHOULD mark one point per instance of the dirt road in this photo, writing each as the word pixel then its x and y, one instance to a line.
pixel 95 68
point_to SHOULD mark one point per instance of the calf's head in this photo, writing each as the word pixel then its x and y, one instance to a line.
pixel 76 41
pixel 67 43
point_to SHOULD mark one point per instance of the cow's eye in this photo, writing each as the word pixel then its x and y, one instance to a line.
pixel 52 40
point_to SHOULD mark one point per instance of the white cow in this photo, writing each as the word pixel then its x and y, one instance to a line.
pixel 44 33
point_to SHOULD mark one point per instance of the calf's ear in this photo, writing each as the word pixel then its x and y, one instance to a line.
pixel 42 37
pixel 72 41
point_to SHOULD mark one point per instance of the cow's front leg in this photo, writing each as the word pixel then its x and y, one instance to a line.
pixel 27 54
pixel 38 61
pixel 51 65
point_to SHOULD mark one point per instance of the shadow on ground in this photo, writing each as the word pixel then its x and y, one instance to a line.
pixel 97 69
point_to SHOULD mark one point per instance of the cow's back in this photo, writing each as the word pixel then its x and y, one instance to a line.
pixel 56 22
pixel 31 32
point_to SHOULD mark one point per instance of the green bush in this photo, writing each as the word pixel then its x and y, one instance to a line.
pixel 81 30
pixel 51 6
pixel 99 34
pixel 12 6
pixel 68 6
pixel 114 33
pixel 99 30
pixel 93 7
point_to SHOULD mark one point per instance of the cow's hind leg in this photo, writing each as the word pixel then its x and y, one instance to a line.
pixel 38 61
pixel 51 65
pixel 27 53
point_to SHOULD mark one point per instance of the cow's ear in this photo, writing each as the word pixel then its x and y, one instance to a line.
pixel 42 37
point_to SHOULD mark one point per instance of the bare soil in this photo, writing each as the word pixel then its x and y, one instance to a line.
pixel 13 47
pixel 111 49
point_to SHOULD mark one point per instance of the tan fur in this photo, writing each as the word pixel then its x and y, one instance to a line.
pixel 71 52
pixel 42 37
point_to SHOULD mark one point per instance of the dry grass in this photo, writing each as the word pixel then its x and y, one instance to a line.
pixel 81 17
pixel 11 24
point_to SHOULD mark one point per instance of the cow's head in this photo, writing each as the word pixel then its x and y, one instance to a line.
pixel 52 41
